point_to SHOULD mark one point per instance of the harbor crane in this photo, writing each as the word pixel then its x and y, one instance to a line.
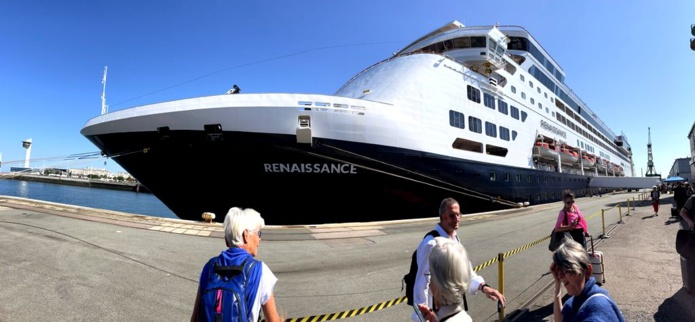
pixel 650 160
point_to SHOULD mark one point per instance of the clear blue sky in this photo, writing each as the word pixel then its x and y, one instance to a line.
pixel 628 60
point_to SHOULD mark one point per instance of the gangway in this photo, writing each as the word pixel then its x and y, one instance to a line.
pixel 629 183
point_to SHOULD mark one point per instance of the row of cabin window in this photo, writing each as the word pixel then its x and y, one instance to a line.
pixel 601 140
pixel 507 177
pixel 570 124
pixel 489 101
pixel 457 119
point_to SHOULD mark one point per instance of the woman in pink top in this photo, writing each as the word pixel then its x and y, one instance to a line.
pixel 576 225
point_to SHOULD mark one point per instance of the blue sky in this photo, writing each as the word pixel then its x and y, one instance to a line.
pixel 628 60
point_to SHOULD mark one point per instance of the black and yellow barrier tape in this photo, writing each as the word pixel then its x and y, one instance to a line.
pixel 396 301
pixel 348 313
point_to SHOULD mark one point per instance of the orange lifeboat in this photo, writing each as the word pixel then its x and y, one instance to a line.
pixel 568 156
pixel 545 150
pixel 588 160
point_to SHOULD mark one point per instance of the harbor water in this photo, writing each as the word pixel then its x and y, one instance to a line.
pixel 124 201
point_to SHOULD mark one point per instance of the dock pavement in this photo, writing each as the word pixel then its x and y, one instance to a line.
pixel 642 267
pixel 68 263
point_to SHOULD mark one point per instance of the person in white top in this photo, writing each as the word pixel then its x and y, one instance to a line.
pixel 450 276
pixel 242 231
pixel 449 218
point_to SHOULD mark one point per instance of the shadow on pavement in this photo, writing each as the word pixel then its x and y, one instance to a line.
pixel 544 313
pixel 676 308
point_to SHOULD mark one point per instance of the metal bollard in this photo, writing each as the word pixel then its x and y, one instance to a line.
pixel 628 208
pixel 633 203
pixel 500 268
pixel 620 212
pixel 603 224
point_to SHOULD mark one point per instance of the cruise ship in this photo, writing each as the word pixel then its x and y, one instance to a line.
pixel 481 114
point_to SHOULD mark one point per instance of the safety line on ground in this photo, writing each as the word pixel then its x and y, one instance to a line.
pixel 396 301
pixel 348 313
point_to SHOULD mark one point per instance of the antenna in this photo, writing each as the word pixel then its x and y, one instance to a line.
pixel 104 107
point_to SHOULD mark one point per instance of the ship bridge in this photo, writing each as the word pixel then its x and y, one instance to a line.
pixel 480 48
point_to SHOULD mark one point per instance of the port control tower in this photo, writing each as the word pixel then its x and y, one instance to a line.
pixel 27 145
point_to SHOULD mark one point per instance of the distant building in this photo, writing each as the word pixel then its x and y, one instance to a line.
pixel 86 172
pixel 682 168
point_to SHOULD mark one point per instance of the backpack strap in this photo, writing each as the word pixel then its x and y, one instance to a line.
pixel 433 233
pixel 589 298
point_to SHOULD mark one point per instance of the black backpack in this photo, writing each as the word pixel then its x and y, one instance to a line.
pixel 409 279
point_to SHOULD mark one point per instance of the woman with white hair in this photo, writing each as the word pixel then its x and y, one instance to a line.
pixel 450 276
pixel 572 268
pixel 236 269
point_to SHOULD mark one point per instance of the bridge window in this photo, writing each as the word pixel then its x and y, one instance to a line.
pixel 515 112
pixel 456 119
pixel 475 124
pixel 473 94
pixel 490 129
pixel 513 89
pixel 504 133
pixel 523 95
pixel 489 100
pixel 523 116
pixel 502 107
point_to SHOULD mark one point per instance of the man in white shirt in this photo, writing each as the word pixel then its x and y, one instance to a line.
pixel 449 218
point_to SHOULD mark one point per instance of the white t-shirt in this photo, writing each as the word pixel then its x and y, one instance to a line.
pixel 265 288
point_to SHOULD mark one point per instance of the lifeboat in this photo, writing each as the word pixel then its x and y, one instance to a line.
pixel 545 150
pixel 568 156
pixel 588 160
pixel 601 164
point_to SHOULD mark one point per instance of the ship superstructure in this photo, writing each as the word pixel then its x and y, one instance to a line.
pixel 481 114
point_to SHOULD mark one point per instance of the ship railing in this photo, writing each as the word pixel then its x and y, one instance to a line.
pixel 394 57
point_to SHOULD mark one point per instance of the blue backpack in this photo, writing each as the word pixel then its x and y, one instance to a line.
pixel 224 298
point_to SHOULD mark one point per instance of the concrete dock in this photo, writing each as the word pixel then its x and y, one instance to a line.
pixel 61 262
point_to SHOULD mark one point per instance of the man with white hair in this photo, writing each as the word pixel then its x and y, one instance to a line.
pixel 254 280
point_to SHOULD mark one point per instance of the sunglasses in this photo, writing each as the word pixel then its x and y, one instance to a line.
pixel 258 233
pixel 569 202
